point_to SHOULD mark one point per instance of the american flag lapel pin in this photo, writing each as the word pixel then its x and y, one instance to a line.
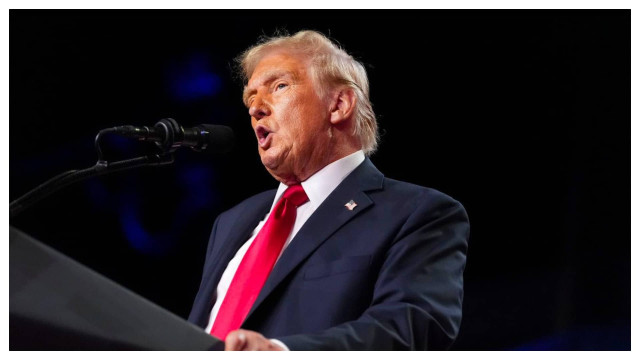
pixel 350 205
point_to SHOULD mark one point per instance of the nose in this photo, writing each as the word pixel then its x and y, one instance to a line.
pixel 259 108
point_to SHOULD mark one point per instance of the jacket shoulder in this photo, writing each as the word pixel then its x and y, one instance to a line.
pixel 418 194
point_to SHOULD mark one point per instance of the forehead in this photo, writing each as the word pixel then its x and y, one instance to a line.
pixel 276 65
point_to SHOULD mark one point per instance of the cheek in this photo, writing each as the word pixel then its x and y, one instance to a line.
pixel 301 121
pixel 315 120
pixel 293 121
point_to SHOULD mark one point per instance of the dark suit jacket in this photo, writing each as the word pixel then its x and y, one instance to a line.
pixel 385 275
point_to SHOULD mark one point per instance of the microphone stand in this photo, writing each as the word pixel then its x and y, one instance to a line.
pixel 102 167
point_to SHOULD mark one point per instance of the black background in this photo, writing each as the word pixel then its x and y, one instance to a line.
pixel 523 116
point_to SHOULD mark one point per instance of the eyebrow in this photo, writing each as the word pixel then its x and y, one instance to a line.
pixel 267 78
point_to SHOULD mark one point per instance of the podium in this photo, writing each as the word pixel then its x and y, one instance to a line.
pixel 55 303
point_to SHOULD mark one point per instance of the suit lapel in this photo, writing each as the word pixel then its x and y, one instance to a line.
pixel 238 235
pixel 240 232
pixel 327 219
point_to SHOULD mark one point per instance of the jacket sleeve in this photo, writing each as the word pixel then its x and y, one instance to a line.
pixel 417 299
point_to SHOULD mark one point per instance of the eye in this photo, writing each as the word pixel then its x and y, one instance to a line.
pixel 281 86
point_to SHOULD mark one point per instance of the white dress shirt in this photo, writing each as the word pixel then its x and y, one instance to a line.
pixel 318 187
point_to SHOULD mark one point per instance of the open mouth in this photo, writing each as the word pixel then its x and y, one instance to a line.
pixel 263 133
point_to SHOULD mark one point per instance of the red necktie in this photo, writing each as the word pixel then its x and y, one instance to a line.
pixel 258 262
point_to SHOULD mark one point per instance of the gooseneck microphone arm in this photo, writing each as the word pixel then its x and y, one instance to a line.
pixel 69 177
pixel 167 135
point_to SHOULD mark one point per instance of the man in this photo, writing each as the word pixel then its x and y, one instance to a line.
pixel 338 257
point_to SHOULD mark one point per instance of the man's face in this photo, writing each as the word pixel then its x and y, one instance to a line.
pixel 289 118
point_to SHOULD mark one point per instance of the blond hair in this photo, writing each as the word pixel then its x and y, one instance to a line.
pixel 329 65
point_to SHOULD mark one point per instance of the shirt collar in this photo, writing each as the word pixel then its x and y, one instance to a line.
pixel 322 183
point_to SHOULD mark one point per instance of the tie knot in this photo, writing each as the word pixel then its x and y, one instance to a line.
pixel 296 195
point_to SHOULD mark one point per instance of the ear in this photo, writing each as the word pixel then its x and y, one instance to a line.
pixel 343 105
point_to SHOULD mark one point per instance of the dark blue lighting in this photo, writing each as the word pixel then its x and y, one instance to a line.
pixel 98 193
pixel 137 236
pixel 604 337
pixel 194 79
pixel 121 143
pixel 143 241
pixel 197 180
pixel 197 196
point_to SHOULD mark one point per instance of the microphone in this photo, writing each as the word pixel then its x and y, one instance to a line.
pixel 169 136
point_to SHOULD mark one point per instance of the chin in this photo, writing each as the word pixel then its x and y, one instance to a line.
pixel 268 161
pixel 279 173
pixel 271 159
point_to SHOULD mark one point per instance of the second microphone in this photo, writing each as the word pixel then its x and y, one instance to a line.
pixel 169 136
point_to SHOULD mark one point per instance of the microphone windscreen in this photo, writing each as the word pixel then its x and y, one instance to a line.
pixel 219 138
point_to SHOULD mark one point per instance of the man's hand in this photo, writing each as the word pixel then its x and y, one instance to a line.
pixel 246 340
